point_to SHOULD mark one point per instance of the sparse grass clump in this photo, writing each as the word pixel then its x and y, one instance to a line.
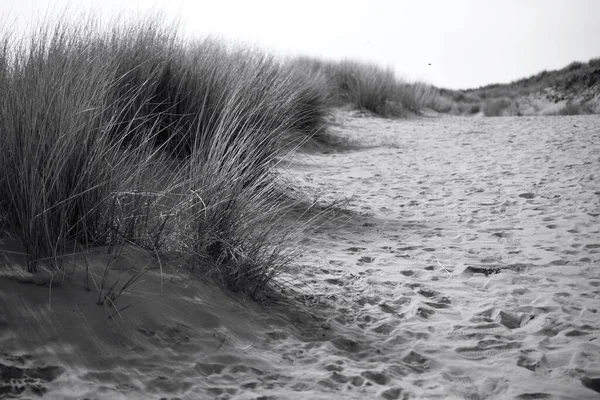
pixel 132 136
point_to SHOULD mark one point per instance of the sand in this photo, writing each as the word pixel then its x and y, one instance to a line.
pixel 468 268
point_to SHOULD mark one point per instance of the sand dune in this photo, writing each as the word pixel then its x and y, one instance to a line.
pixel 468 270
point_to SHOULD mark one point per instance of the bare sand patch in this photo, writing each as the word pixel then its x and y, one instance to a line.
pixel 472 270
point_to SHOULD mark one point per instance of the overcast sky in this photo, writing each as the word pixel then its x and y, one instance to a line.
pixel 468 43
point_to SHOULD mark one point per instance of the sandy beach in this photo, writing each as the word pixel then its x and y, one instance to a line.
pixel 467 267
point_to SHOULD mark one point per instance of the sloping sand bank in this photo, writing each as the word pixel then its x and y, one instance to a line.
pixel 470 270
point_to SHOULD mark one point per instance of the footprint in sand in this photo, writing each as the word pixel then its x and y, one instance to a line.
pixel 18 376
pixel 366 260
pixel 482 352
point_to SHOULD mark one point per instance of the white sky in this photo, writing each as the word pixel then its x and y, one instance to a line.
pixel 468 42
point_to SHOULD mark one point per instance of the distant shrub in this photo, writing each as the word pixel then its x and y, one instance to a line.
pixel 504 91
pixel 577 108
pixel 475 108
pixel 495 107
pixel 574 66
pixel 464 97
pixel 465 109
pixel 570 109
pixel 441 104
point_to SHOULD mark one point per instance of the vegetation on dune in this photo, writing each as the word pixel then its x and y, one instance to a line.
pixel 572 90
pixel 131 136
pixel 578 108
pixel 369 87
pixel 496 107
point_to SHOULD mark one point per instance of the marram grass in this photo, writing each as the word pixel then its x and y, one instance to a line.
pixel 130 135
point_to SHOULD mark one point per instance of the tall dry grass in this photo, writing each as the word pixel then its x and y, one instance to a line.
pixel 130 135
pixel 369 86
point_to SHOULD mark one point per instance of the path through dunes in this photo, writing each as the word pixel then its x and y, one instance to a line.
pixel 476 270
pixel 469 269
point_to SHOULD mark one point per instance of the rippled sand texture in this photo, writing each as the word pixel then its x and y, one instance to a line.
pixel 469 269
